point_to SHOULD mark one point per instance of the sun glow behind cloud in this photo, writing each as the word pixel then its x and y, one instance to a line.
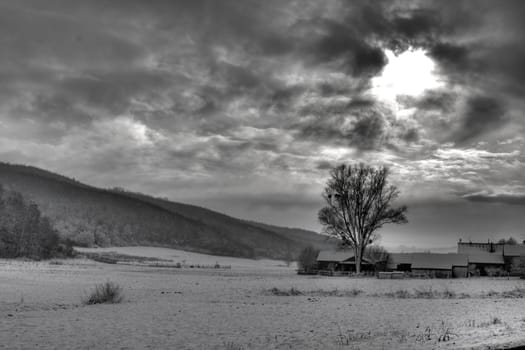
pixel 409 73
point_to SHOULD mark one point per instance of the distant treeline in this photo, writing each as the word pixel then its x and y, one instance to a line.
pixel 25 232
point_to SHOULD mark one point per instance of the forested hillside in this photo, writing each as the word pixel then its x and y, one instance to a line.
pixel 24 232
pixel 227 223
pixel 92 216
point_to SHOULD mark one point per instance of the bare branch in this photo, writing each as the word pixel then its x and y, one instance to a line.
pixel 359 202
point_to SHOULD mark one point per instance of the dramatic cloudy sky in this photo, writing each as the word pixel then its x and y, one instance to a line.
pixel 243 106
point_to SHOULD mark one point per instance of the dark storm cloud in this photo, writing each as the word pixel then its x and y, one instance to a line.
pixel 325 165
pixel 282 97
pixel 346 123
pixel 513 199
pixel 418 23
pixel 368 132
pixel 279 201
pixel 345 47
pixel 437 100
pixel 477 50
pixel 47 38
pixel 481 47
pixel 411 135
pixel 482 114
pixel 451 55
pixel 192 94
pixel 108 92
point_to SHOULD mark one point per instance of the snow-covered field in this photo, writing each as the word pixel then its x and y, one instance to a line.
pixel 40 307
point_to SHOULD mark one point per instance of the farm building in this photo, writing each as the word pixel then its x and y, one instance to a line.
pixel 440 265
pixel 514 257
pixel 472 259
pixel 493 258
pixel 341 260
pixel 430 264
pixel 486 264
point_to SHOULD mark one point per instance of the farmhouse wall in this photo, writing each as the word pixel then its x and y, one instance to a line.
pixel 460 271
pixel 473 248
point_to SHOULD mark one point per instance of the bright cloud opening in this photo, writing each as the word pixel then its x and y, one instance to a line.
pixel 409 73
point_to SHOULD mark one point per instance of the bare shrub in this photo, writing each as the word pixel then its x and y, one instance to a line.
pixel 283 292
pixel 337 293
pixel 424 293
pixel 105 293
pixel 495 271
pixel 348 337
pixel 402 294
pixel 354 292
pixel 445 333
pixel 495 320
pixel 317 293
pixel 232 346
pixel 491 322
pixel 56 262
pixel 448 294
pixel 517 292
pixel 307 260
pixel 491 293
pixel 426 335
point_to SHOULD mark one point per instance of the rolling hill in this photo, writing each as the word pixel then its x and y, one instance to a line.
pixel 93 216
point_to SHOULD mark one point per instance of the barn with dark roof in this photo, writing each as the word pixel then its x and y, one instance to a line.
pixel 430 264
pixel 341 261
pixel 440 265
pixel 486 264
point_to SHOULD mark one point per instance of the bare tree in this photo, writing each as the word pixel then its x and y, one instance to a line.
pixel 510 241
pixel 376 253
pixel 358 203
pixel 307 259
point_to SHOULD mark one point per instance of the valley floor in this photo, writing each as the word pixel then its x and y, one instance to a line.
pixel 40 307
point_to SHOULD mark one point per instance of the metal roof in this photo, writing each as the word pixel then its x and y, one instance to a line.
pixel 486 258
pixel 431 261
pixel 340 256
pixel 514 250
pixel 335 255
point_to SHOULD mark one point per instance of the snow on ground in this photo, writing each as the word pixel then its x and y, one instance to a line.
pixel 188 258
pixel 40 307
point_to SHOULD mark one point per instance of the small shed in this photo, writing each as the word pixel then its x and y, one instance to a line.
pixel 486 264
pixel 514 256
pixel 440 265
pixel 340 260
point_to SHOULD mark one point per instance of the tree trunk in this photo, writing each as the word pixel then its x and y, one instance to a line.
pixel 357 260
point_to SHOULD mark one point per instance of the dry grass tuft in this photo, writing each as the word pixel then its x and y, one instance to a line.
pixel 232 346
pixel 317 293
pixel 105 293
pixel 517 292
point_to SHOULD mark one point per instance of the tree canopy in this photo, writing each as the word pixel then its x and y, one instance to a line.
pixel 359 201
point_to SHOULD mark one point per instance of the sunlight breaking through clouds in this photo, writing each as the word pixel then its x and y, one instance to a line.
pixel 185 99
pixel 408 73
